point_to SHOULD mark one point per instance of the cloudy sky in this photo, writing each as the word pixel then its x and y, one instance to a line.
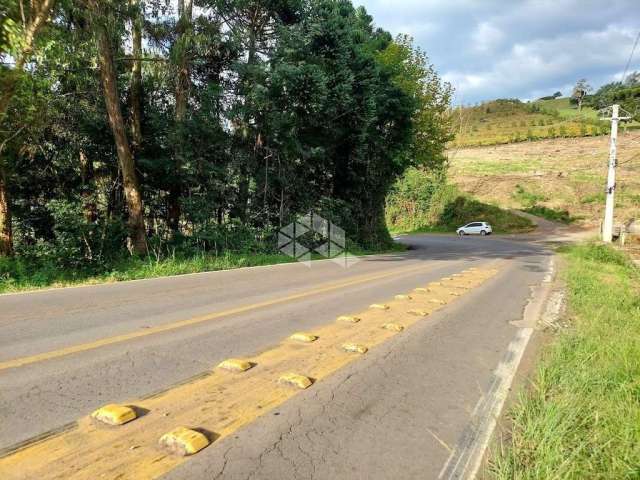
pixel 517 48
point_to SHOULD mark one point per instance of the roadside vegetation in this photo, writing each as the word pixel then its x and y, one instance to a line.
pixel 139 140
pixel 580 416
pixel 424 201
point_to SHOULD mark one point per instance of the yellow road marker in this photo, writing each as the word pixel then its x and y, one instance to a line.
pixel 438 301
pixel 184 441
pixel 393 327
pixel 83 347
pixel 295 380
pixel 348 319
pixel 217 403
pixel 114 414
pixel 303 337
pixel 418 313
pixel 354 348
pixel 403 297
pixel 455 294
pixel 235 365
pixel 379 306
pixel 421 290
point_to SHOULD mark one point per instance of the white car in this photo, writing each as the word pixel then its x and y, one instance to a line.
pixel 475 228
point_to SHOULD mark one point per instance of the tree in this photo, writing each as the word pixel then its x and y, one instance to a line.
pixel 138 241
pixel 137 17
pixel 234 118
pixel 20 46
pixel 580 91
pixel 181 53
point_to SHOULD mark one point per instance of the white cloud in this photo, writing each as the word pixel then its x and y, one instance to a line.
pixel 486 37
pixel 528 68
pixel 521 48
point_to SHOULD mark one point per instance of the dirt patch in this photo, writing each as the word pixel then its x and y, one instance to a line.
pixel 562 174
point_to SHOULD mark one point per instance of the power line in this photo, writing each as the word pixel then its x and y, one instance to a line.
pixel 633 50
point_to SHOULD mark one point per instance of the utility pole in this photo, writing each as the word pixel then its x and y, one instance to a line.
pixel 607 226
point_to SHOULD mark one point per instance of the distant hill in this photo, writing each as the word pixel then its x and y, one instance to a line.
pixel 511 120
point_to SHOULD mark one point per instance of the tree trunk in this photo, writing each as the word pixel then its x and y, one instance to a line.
pixel 136 75
pixel 6 237
pixel 37 18
pixel 89 207
pixel 183 80
pixel 138 242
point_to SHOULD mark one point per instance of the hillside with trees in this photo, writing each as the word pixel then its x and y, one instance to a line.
pixel 137 128
pixel 511 120
pixel 505 121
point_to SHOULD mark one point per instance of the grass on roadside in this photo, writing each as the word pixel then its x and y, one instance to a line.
pixel 17 274
pixel 580 418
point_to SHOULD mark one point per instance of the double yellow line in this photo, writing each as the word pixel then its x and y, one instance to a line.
pixel 103 342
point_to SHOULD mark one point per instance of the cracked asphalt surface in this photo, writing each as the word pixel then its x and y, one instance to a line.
pixel 396 413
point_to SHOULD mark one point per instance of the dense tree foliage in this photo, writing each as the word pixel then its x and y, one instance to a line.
pixel 210 123
pixel 625 94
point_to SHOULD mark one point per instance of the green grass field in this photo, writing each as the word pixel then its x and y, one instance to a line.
pixel 580 416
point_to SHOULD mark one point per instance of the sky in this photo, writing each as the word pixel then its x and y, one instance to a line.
pixel 523 49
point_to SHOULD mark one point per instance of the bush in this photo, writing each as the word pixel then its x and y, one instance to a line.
pixel 463 210
pixel 561 216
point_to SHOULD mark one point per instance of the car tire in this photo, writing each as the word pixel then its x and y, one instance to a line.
pixel 461 234
pixel 483 232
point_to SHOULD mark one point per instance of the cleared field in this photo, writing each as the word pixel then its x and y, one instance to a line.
pixel 559 174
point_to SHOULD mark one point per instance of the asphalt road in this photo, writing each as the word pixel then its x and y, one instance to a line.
pixel 401 411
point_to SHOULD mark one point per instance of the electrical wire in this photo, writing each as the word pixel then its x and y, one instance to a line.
pixel 633 50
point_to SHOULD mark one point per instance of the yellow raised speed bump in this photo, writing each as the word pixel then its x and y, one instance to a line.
pixel 114 414
pixel 235 365
pixel 295 380
pixel 418 313
pixel 354 348
pixel 303 337
pixel 393 327
pixel 184 441
pixel 348 319
pixel 379 306
pixel 403 297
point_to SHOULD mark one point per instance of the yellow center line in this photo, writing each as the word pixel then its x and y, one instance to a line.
pixel 83 347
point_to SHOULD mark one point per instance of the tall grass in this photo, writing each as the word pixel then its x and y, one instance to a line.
pixel 580 418
pixel 17 274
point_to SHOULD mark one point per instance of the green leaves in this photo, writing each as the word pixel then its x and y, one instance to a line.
pixel 293 105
